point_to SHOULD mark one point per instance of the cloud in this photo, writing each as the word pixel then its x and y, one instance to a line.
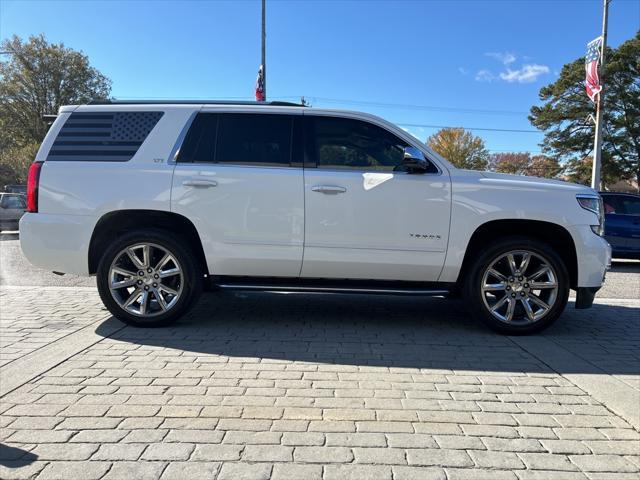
pixel 463 71
pixel 527 74
pixel 505 58
pixel 484 76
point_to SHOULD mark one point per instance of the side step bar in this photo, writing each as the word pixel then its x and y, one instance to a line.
pixel 330 289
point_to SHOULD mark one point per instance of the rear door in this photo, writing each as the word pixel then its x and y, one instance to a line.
pixel 239 180
pixel 366 217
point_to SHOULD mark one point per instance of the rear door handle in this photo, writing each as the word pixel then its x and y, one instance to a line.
pixel 200 183
pixel 328 189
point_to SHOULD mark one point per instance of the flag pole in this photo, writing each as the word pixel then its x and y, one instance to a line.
pixel 596 182
pixel 264 58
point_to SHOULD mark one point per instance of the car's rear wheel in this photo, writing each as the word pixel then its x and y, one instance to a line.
pixel 148 278
pixel 518 286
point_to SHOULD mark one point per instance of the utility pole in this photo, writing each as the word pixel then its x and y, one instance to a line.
pixel 597 147
pixel 264 56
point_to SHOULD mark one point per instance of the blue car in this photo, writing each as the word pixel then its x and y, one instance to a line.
pixel 622 223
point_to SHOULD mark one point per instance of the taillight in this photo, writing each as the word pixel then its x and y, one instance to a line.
pixel 33 180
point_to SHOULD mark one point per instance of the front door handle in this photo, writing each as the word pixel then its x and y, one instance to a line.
pixel 200 183
pixel 328 189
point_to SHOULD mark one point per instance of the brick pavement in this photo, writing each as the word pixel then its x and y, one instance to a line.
pixel 332 387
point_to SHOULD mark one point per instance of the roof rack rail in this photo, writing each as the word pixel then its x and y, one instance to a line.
pixel 194 102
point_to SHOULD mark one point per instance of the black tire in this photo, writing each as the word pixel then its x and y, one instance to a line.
pixel 191 284
pixel 475 297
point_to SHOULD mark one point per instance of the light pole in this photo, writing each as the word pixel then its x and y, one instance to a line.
pixel 264 56
pixel 597 146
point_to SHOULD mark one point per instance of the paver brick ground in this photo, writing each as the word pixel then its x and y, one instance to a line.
pixel 317 387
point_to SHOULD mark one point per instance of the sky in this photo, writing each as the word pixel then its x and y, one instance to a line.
pixel 420 64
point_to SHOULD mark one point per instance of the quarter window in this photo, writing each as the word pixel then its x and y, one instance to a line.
pixel 344 143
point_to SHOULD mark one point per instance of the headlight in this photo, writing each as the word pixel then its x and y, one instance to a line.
pixel 594 204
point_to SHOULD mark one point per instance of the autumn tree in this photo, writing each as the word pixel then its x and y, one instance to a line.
pixel 510 162
pixel 36 78
pixel 460 147
pixel 523 163
pixel 565 113
pixel 544 166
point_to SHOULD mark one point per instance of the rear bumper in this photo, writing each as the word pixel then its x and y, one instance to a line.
pixel 57 242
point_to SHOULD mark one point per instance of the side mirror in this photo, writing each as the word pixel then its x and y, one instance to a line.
pixel 414 160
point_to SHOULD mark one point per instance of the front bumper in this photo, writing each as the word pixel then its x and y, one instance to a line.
pixel 593 254
pixel 585 297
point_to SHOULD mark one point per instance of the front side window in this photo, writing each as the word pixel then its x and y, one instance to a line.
pixel 344 143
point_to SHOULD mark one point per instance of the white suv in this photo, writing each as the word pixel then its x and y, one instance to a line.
pixel 162 199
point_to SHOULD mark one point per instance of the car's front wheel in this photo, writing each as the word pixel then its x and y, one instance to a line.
pixel 148 278
pixel 517 286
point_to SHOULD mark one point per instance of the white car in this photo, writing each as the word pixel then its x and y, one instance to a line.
pixel 162 199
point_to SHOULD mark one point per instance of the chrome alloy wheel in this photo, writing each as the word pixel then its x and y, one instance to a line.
pixel 145 279
pixel 519 287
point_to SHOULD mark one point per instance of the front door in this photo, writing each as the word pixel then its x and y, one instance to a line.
pixel 237 179
pixel 622 223
pixel 365 216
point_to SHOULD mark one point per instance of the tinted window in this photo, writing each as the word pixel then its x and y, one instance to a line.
pixel 353 144
pixel 621 204
pixel 254 139
pixel 199 144
pixel 239 139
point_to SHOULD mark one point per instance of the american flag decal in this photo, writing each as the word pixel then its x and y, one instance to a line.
pixel 591 61
pixel 102 136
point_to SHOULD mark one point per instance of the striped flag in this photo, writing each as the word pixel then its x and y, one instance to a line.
pixel 591 61
pixel 260 85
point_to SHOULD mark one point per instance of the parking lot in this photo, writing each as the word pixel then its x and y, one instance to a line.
pixel 312 386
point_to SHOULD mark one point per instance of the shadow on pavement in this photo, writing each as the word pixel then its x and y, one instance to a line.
pixel 9 236
pixel 384 331
pixel 13 457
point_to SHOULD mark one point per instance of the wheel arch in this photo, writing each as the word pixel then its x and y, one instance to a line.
pixel 113 224
pixel 556 236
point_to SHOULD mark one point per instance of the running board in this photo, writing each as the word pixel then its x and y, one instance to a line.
pixel 383 288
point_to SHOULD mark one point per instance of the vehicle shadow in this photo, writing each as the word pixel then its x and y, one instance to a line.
pixel 385 331
pixel 9 236
pixel 13 457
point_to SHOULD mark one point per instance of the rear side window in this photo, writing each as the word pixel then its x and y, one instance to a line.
pixel 239 139
pixel 102 136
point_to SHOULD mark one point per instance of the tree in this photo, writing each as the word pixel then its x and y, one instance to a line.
pixel 522 163
pixel 460 147
pixel 569 132
pixel 36 78
pixel 544 166
pixel 515 163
